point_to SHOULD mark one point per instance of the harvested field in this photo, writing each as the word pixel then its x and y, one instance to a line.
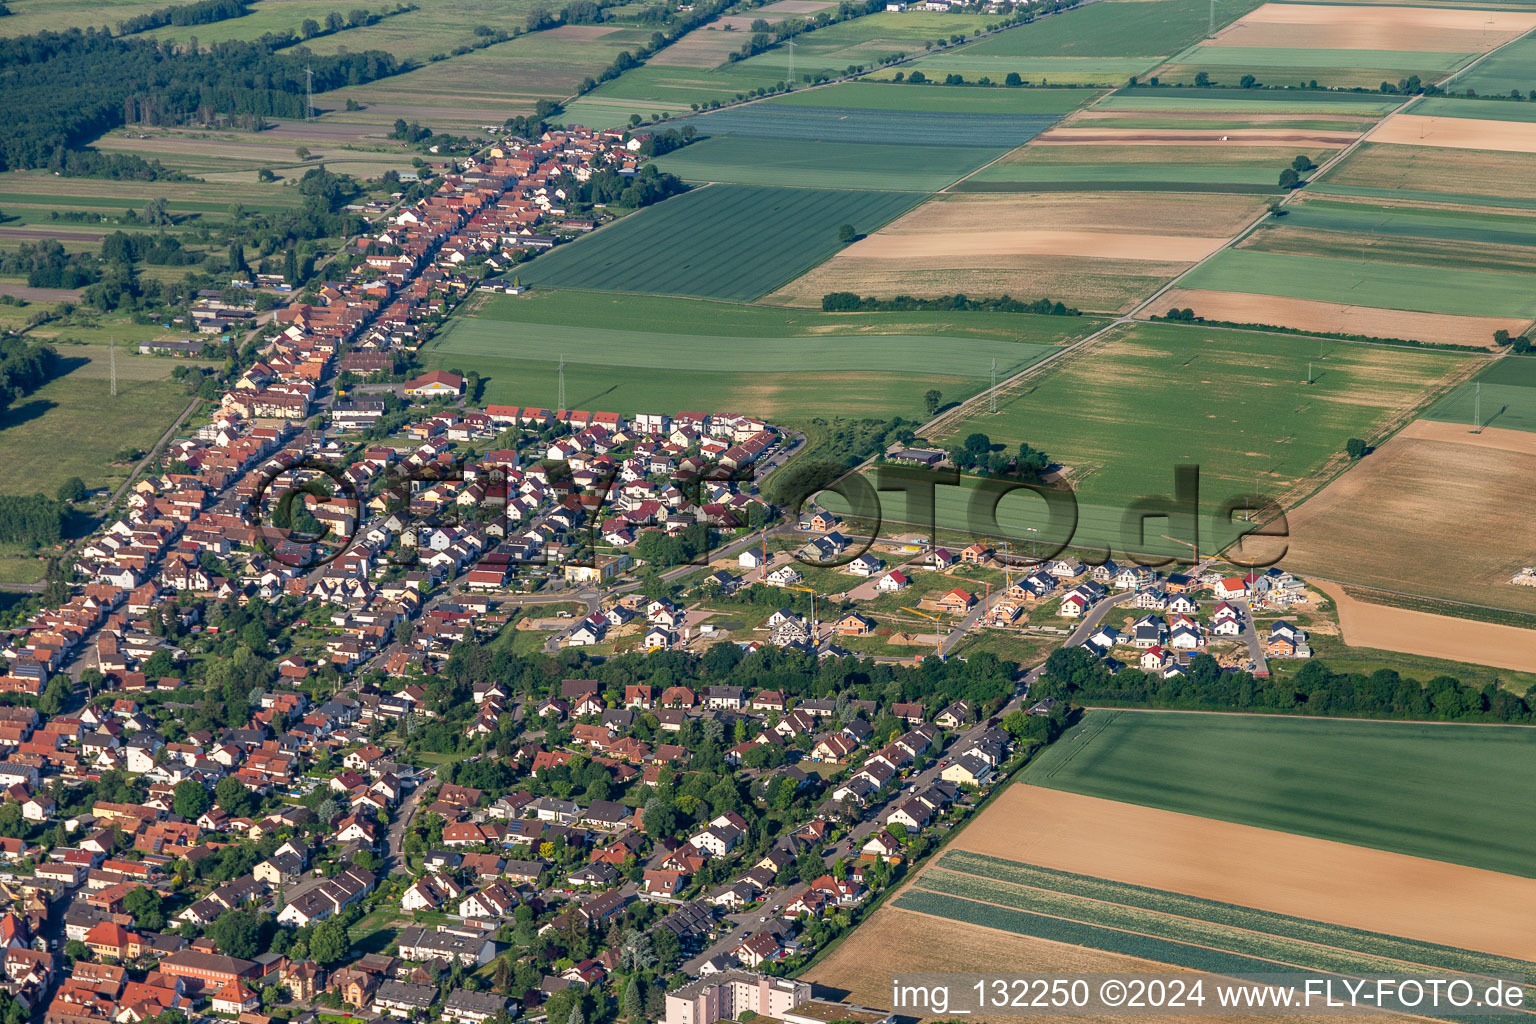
pixel 1026 242
pixel 1384 628
pixel 1459 506
pixel 705 47
pixel 1093 250
pixel 1503 177
pixel 1234 137
pixel 1334 317
pixel 1457 133
pixel 1373 890
pixel 1374 28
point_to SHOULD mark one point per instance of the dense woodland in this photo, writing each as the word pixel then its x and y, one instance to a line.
pixel 67 88
pixel 201 12
pixel 1075 674
pixel 24 367
pixel 34 520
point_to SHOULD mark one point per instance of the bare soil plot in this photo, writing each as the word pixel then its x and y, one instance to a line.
pixel 796 7
pixel 1468 908
pixel 1457 133
pixel 1454 505
pixel 1193 137
pixel 1097 251
pixel 580 33
pixel 1334 318
pixel 1384 628
pixel 1375 28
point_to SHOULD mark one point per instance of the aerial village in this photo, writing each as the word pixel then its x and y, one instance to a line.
pixel 260 763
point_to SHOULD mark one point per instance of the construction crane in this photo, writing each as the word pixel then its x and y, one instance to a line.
pixel 938 638
pixel 812 592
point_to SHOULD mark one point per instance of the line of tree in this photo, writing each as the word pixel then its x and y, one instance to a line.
pixel 32 520
pixel 67 88
pixel 848 302
pixel 24 367
pixel 201 12
pixel 977 454
pixel 1074 674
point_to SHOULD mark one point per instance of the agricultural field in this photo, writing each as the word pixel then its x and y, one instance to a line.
pixel 691 244
pixel 657 89
pixel 1435 480
pixel 1095 251
pixel 640 353
pixel 1359 783
pixel 1258 427
pixel 489 85
pixel 277 16
pixel 344 146
pixel 78 405
pixel 1512 68
pixel 1100 44
pixel 29 16
pixel 874 143
pixel 861 42
pixel 1346 46
pixel 1502 396
pixel 1499 297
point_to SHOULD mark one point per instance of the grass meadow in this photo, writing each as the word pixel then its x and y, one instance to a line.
pixel 695 244
pixel 1362 783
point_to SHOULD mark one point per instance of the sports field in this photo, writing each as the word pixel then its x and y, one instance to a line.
pixel 1362 783
pixel 641 353
pixel 694 244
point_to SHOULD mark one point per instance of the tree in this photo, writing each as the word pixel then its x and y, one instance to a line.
pixel 1202 79
pixel 302 152
pixel 1247 82
pixel 237 933
pixel 56 697
pixel 846 234
pixel 72 489
pixel 1012 79
pixel 330 943
pixel 233 797
pixel 144 906
pixel 190 800
pixel 77 950
pixel 1302 163
pixel 309 28
pixel 1355 447
pixel 931 399
pixel 1501 337
pixel 1289 178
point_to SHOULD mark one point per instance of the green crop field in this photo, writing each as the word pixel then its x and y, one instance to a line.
pixel 867 95
pixel 1153 28
pixel 649 90
pixel 1362 783
pixel 1096 44
pixel 1129 167
pixel 1301 63
pixel 1258 427
pixel 1512 67
pixel 1258 424
pixel 483 86
pixel 638 353
pixel 1385 285
pixel 755 161
pixel 1504 395
pixel 1270 101
pixel 694 244
pixel 1479 109
pixel 78 405
pixel 1053 882
pixel 859 42
pixel 1410 222
pixel 805 122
